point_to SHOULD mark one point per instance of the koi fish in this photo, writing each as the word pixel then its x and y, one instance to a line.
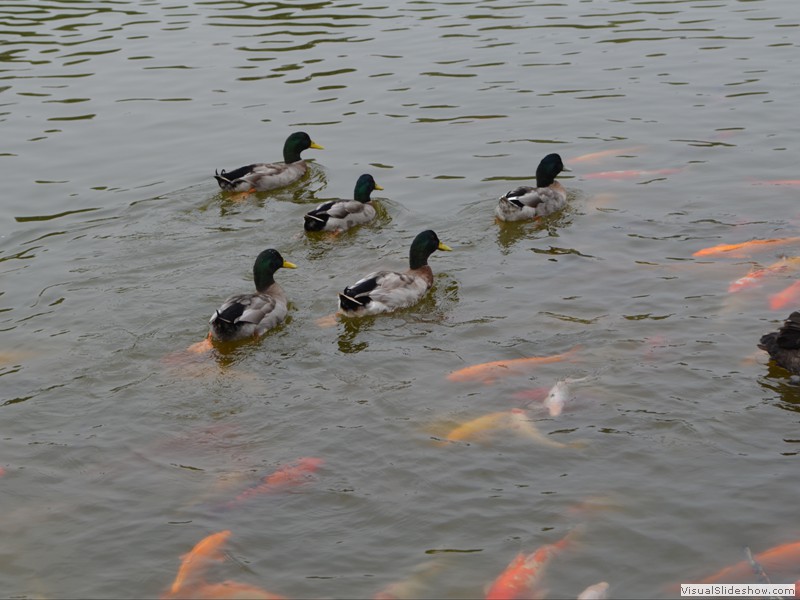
pixel 228 590
pixel 2 471
pixel 783 558
pixel 205 550
pixel 751 245
pixel 521 423
pixel 754 277
pixel 490 371
pixel 633 174
pixel 598 591
pixel 477 428
pixel 414 586
pixel 522 578
pixel 201 347
pixel 595 156
pixel 557 397
pixel 283 477
pixel 514 420
pixel 532 394
pixel 785 297
pixel 777 182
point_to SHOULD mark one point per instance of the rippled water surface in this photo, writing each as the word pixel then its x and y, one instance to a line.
pixel 120 450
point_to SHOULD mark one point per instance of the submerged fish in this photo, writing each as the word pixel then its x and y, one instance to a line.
pixel 414 586
pixel 285 476
pixel 751 245
pixel 228 590
pixel 632 174
pixel 522 578
pixel 778 182
pixel 490 371
pixel 515 420
pixel 755 276
pixel 205 550
pixel 521 423
pixel 477 428
pixel 598 591
pixel 781 560
pixel 190 585
pixel 595 156
pixel 785 297
pixel 532 394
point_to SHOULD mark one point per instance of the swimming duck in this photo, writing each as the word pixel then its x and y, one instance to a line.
pixel 251 315
pixel 385 291
pixel 546 198
pixel 341 215
pixel 269 176
pixel 783 345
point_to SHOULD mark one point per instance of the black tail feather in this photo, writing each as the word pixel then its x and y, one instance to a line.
pixel 349 303
pixel 314 222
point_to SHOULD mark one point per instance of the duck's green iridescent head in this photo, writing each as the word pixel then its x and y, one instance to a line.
pixel 265 266
pixel 295 144
pixel 364 187
pixel 425 244
pixel 548 170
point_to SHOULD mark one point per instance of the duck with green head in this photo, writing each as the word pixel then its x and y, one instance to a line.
pixel 525 202
pixel 251 315
pixel 341 215
pixel 385 291
pixel 263 177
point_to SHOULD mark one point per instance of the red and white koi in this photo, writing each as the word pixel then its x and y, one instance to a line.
pixel 522 578
pixel 754 277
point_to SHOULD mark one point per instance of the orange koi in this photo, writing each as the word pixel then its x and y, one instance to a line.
pixel 205 550
pixel 522 578
pixel 780 559
pixel 595 156
pixel 490 371
pixel 785 297
pixel 751 245
pixel 632 174
pixel 754 277
pixel 285 476
pixel 2 471
pixel 229 590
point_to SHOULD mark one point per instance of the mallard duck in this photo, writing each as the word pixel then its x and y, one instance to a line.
pixel 385 291
pixel 250 315
pixel 783 345
pixel 269 176
pixel 341 215
pixel 546 198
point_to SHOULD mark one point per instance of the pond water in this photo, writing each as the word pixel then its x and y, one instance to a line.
pixel 120 451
